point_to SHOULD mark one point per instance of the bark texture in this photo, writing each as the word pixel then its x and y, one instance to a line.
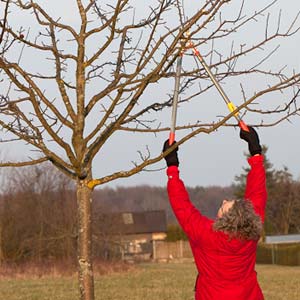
pixel 85 268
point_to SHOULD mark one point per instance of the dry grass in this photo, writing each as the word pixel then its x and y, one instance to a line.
pixel 279 282
pixel 57 269
pixel 149 281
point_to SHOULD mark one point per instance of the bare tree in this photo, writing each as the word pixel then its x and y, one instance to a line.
pixel 37 215
pixel 89 75
pixel 3 20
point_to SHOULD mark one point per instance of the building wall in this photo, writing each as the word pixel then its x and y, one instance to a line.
pixel 166 251
pixel 139 246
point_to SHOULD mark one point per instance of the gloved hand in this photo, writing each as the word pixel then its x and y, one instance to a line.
pixel 252 139
pixel 171 158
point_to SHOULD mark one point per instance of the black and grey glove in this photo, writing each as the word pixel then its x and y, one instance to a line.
pixel 252 139
pixel 172 157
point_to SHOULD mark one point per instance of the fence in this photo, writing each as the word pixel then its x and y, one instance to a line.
pixel 280 254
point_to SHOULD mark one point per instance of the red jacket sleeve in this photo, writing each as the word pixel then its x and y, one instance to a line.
pixel 256 190
pixel 190 219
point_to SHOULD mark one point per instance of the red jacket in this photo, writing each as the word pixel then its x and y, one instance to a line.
pixel 226 268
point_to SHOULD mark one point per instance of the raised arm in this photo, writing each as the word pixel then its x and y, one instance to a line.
pixel 256 180
pixel 190 219
pixel 256 185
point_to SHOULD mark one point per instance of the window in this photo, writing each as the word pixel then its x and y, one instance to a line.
pixel 127 218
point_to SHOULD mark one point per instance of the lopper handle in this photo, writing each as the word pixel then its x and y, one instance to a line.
pixel 241 123
pixel 175 100
pixel 171 138
pixel 243 126
pixel 230 105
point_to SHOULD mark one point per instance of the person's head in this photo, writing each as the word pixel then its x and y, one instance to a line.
pixel 238 219
pixel 224 207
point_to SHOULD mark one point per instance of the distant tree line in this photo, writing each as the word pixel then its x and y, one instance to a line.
pixel 145 198
pixel 38 211
pixel 37 215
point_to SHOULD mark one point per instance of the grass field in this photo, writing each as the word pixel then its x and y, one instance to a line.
pixel 147 282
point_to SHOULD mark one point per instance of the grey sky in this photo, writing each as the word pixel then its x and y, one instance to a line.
pixel 206 159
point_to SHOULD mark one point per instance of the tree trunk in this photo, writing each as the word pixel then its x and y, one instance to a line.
pixel 84 247
pixel 1 245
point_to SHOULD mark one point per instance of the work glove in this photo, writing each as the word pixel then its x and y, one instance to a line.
pixel 171 158
pixel 252 139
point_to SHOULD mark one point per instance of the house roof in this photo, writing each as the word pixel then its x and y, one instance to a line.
pixel 137 222
pixel 280 239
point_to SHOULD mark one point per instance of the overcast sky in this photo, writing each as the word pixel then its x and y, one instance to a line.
pixel 212 159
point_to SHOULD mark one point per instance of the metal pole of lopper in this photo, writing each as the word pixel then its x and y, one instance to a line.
pixel 230 105
pixel 175 99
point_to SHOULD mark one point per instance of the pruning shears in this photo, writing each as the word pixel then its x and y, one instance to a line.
pixel 229 104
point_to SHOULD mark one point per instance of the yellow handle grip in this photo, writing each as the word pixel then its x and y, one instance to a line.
pixel 232 107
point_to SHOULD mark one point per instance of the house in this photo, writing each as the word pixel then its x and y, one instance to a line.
pixel 136 232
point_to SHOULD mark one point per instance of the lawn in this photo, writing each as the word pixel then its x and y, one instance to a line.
pixel 147 281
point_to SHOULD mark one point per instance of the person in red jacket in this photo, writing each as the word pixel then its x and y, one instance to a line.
pixel 224 249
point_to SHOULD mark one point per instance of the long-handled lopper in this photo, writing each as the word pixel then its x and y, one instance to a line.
pixel 230 105
pixel 175 99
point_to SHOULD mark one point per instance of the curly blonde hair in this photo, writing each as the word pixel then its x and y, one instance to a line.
pixel 240 221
